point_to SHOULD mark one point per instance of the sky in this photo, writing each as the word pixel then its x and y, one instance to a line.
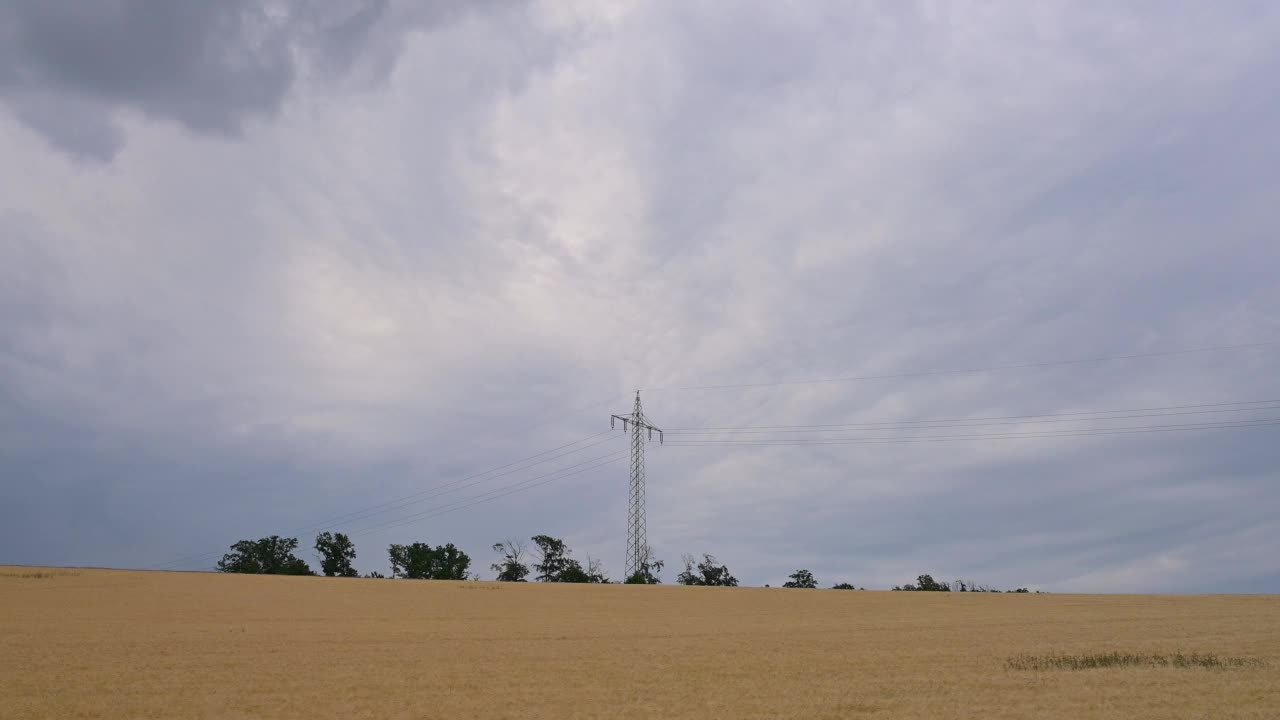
pixel 272 268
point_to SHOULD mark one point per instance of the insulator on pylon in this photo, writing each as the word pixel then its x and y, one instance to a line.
pixel 650 434
pixel 613 423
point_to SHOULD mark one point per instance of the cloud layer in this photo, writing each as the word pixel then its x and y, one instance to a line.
pixel 265 265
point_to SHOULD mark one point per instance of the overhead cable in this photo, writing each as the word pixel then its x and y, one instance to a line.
pixel 963 371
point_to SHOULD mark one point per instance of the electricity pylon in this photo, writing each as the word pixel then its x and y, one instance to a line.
pixel 637 541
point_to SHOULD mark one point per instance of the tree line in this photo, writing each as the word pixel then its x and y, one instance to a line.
pixel 926 583
pixel 549 560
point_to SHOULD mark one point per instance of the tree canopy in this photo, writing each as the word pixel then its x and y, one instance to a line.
pixel 266 556
pixel 708 572
pixel 553 559
pixel 925 583
pixel 555 563
pixel 511 566
pixel 420 561
pixel 336 553
pixel 801 579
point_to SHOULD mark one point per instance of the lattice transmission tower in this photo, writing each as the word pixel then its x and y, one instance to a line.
pixel 641 432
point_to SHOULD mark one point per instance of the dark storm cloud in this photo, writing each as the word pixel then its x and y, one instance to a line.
pixel 207 65
pixel 67 67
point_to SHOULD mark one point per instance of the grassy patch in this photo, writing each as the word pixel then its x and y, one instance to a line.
pixel 36 574
pixel 1094 661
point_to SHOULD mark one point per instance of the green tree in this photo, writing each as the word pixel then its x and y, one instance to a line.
pixel 709 573
pixel 265 556
pixel 420 561
pixel 554 561
pixel 843 586
pixel 648 572
pixel 451 563
pixel 928 584
pixel 511 567
pixel 336 553
pixel 925 583
pixel 410 561
pixel 572 573
pixel 801 579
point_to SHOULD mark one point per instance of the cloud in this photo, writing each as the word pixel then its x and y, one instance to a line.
pixel 438 251
pixel 70 69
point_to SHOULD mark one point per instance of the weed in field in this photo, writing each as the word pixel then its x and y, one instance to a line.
pixel 1095 661
pixel 36 574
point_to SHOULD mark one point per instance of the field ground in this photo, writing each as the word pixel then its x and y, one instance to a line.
pixel 116 644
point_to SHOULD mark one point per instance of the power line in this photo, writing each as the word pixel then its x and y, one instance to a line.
pixel 438 490
pixel 397 503
pixel 1261 422
pixel 395 520
pixel 982 421
pixel 961 371
pixel 570 413
pixel 391 505
pixel 496 493
pixel 477 500
pixel 603 460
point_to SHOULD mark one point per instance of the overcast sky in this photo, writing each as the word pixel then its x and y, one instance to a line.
pixel 265 265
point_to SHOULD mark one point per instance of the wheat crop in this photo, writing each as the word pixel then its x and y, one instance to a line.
pixel 115 644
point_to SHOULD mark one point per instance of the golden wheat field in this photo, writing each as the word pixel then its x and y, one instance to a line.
pixel 117 644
